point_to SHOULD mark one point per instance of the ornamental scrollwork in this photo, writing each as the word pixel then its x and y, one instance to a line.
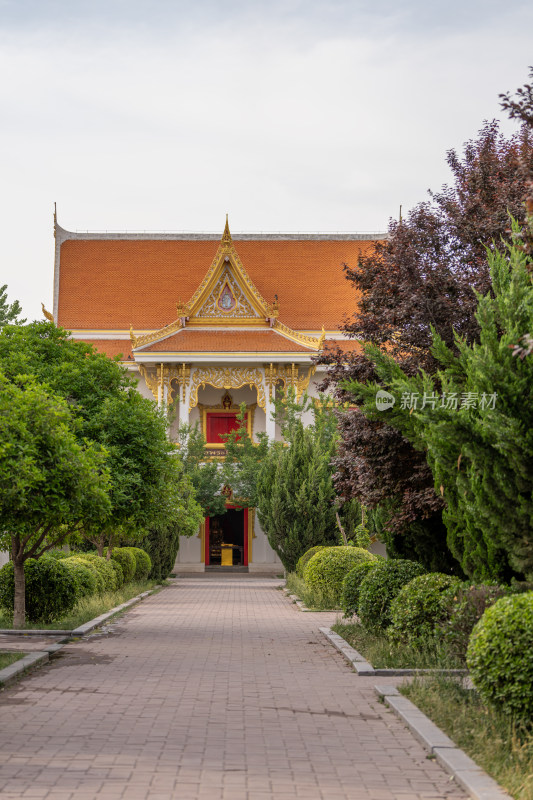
pixel 227 378
pixel 241 308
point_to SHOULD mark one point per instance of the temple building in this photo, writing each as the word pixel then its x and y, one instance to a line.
pixel 207 323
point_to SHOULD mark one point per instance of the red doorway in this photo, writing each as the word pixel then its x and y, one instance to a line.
pixel 230 528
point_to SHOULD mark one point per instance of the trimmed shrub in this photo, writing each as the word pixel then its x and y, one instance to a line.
pixel 379 589
pixel 51 589
pixel 143 564
pixel 325 571
pixel 162 545
pixel 126 559
pixel 84 575
pixel 105 569
pixel 352 584
pixel 119 574
pixel 95 572
pixel 418 608
pixel 499 656
pixel 307 556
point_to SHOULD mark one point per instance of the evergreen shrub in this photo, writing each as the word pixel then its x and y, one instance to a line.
pixel 325 571
pixel 499 656
pixel 352 584
pixel 419 607
pixel 126 559
pixel 51 589
pixel 79 558
pixel 119 574
pixel 143 564
pixel 379 589
pixel 162 545
pixel 302 561
pixel 106 570
pixel 84 575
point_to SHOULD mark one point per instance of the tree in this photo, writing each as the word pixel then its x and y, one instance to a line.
pixel 295 495
pixel 243 461
pixel 205 476
pixel 9 313
pixel 425 274
pixel 52 484
pixel 473 419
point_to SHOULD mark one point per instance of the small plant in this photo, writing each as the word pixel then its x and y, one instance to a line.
pixel 499 656
pixel 326 570
pixel 418 607
pixel 307 556
pixel 351 586
pixel 379 589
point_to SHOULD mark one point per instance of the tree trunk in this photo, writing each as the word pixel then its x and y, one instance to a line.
pixel 19 606
pixel 100 548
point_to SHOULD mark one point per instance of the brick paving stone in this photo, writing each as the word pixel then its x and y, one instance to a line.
pixel 217 688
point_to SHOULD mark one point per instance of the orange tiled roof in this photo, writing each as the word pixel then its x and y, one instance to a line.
pixel 111 283
pixel 217 341
pixel 111 347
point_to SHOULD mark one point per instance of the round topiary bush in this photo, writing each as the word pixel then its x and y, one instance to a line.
pixel 499 656
pixel 119 574
pixel 126 559
pixel 100 585
pixel 419 607
pixel 325 571
pixel 84 575
pixel 51 589
pixel 105 569
pixel 143 563
pixel 307 556
pixel 352 584
pixel 379 589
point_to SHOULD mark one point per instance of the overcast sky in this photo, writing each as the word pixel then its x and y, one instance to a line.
pixel 289 115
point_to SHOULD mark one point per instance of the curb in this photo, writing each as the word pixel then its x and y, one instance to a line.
pixel 301 605
pixel 364 667
pixel 451 758
pixel 10 674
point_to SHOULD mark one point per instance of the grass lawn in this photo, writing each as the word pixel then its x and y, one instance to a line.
pixel 382 654
pixel 313 600
pixel 502 749
pixel 6 659
pixel 86 609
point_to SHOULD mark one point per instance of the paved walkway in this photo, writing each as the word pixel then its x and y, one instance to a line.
pixel 213 689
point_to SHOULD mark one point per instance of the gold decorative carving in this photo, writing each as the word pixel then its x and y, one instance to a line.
pixel 322 338
pixel 290 375
pixel 133 338
pixel 271 378
pixel 241 309
pixel 142 341
pixel 163 377
pixel 182 309
pixel 46 314
pixel 227 378
pixel 308 341
pixel 151 380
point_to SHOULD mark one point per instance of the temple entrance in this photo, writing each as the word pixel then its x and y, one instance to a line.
pixel 226 540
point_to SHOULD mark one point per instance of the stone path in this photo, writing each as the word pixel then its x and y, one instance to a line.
pixel 213 689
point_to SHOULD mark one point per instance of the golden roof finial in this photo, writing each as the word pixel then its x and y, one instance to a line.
pixel 46 314
pixel 133 338
pixel 226 236
pixel 322 338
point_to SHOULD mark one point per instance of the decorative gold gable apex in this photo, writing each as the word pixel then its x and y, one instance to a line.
pixel 227 260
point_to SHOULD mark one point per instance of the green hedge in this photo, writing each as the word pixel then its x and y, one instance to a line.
pixel 325 571
pixel 351 586
pixel 143 563
pixel 108 571
pixel 126 559
pixel 419 607
pixel 85 576
pixel 51 589
pixel 307 556
pixel 499 656
pixel 379 589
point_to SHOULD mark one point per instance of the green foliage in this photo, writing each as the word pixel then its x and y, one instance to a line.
pixel 380 587
pixel 205 476
pixel 499 656
pixel 302 561
pixel 162 545
pixel 479 452
pixel 126 559
pixel 99 580
pixel 109 575
pixel 419 607
pixel 465 605
pixel 295 495
pixel 86 583
pixel 326 570
pixel 143 565
pixel 119 573
pixel 9 312
pixel 351 586
pixel 243 462
pixel 51 588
